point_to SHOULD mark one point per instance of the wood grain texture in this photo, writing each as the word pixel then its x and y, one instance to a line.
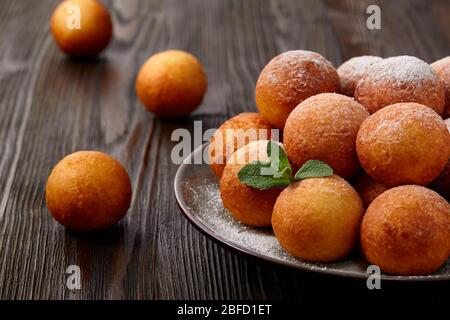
pixel 51 105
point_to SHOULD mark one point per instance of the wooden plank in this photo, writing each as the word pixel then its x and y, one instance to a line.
pixel 52 105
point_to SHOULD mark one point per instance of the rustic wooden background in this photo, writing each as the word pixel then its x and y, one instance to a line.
pixel 51 105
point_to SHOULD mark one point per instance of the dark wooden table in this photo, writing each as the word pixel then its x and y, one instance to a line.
pixel 51 105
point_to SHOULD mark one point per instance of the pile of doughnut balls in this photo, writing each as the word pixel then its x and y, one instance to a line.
pixel 89 190
pixel 379 123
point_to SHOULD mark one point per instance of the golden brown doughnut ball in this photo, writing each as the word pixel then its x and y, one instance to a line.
pixel 88 191
pixel 405 143
pixel 290 78
pixel 400 79
pixel 368 189
pixel 318 219
pixel 406 231
pixel 93 33
pixel 233 134
pixel 248 205
pixel 351 71
pixel 171 83
pixel 324 127
pixel 442 68
pixel 442 183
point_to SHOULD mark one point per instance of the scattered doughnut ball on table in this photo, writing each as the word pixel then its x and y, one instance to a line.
pixel 171 83
pixel 90 36
pixel 318 219
pixel 406 231
pixel 400 79
pixel 404 143
pixel 351 71
pixel 442 183
pixel 234 133
pixel 442 68
pixel 290 78
pixel 325 127
pixel 88 191
pixel 368 189
pixel 248 205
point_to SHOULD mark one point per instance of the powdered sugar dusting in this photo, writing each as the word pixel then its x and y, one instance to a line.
pixel 402 70
pixel 358 65
pixel 294 56
pixel 351 71
pixel 392 121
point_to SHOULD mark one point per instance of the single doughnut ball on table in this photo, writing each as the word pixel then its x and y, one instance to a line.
pixel 442 183
pixel 171 83
pixel 234 133
pixel 368 189
pixel 442 68
pixel 351 71
pixel 325 127
pixel 406 231
pixel 405 143
pixel 290 78
pixel 93 33
pixel 318 219
pixel 248 205
pixel 400 79
pixel 88 191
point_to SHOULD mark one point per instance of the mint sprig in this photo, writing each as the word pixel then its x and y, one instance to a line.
pixel 313 169
pixel 277 172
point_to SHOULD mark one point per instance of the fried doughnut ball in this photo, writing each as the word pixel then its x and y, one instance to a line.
pixel 406 231
pixel 405 143
pixel 93 33
pixel 351 71
pixel 442 183
pixel 248 205
pixel 171 83
pixel 368 189
pixel 400 79
pixel 88 191
pixel 324 127
pixel 241 129
pixel 318 219
pixel 290 78
pixel 442 68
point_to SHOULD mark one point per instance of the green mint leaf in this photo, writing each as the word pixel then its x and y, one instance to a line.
pixel 251 175
pixel 279 162
pixel 313 169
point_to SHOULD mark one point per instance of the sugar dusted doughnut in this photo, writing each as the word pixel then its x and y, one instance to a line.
pixel 290 78
pixel 442 183
pixel 404 143
pixel 234 133
pixel 368 189
pixel 351 71
pixel 318 219
pixel 400 79
pixel 406 231
pixel 247 205
pixel 442 68
pixel 325 127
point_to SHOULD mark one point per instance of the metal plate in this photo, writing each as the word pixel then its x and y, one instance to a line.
pixel 197 194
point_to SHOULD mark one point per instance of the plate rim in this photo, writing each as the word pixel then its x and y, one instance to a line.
pixel 210 234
